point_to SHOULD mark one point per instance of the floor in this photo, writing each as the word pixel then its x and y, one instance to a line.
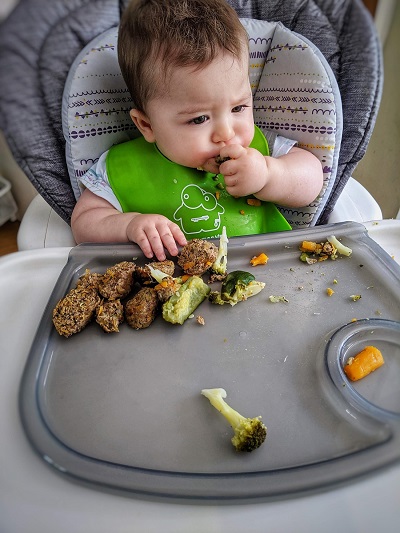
pixel 8 237
pixel 378 171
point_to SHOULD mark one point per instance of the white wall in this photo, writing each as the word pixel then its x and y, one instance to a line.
pixel 379 170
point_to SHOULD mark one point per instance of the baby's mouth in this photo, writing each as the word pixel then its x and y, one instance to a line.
pixel 217 160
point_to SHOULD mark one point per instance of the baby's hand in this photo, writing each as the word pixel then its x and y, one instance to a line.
pixel 245 171
pixel 154 234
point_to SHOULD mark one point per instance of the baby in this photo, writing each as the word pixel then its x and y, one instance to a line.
pixel 200 163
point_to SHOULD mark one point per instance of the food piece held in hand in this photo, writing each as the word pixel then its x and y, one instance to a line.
pixel 73 312
pixel 249 433
pixel 109 315
pixel 141 310
pixel 220 265
pixel 237 287
pixel 183 303
pixel 117 281
pixel 219 160
pixel 365 362
pixel 143 274
pixel 260 259
pixel 197 256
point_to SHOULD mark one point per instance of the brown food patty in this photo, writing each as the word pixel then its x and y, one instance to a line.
pixel 73 312
pixel 197 256
pixel 117 282
pixel 109 315
pixel 141 310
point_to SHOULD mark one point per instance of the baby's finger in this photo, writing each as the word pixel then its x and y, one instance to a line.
pixel 231 151
pixel 170 236
pixel 178 234
pixel 143 242
pixel 169 243
pixel 156 244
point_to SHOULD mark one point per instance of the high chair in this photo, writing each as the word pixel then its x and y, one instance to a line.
pixel 316 71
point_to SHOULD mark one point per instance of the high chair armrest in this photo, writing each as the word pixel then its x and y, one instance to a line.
pixel 356 204
pixel 42 227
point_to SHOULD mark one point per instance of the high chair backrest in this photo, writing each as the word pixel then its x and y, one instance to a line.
pixel 295 95
pixel 41 39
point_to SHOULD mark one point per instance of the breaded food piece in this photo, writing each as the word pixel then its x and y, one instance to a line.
pixel 142 274
pixel 141 310
pixel 89 280
pixel 73 312
pixel 167 287
pixel 117 282
pixel 109 315
pixel 197 256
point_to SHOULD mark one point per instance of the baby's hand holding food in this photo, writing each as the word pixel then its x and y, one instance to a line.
pixel 245 172
pixel 155 234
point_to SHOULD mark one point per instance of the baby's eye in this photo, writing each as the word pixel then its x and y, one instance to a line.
pixel 239 108
pixel 199 120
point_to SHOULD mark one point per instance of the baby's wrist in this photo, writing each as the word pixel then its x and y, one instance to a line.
pixel 130 226
pixel 265 174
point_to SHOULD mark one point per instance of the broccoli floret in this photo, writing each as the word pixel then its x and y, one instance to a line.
pixel 185 300
pixel 237 286
pixel 221 262
pixel 250 433
pixel 215 298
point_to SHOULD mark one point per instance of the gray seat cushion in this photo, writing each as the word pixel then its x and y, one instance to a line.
pixel 41 38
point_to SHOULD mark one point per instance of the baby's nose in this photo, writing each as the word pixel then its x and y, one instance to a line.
pixel 223 132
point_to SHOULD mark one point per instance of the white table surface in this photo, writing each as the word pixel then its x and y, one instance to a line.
pixel 35 498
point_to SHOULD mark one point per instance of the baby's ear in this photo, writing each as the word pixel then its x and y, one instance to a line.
pixel 143 124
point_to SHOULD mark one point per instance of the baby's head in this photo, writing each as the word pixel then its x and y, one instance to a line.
pixel 157 35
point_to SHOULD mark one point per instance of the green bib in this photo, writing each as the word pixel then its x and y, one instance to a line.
pixel 144 181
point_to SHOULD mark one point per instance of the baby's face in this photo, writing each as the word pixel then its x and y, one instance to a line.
pixel 202 111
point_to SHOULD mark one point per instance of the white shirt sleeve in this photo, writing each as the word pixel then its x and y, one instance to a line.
pixel 96 180
pixel 278 145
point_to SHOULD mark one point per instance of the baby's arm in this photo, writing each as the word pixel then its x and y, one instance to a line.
pixel 96 220
pixel 293 180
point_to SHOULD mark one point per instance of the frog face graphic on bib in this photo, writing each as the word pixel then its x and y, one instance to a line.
pixel 199 211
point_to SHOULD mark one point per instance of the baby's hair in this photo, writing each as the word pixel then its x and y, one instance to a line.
pixel 157 35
